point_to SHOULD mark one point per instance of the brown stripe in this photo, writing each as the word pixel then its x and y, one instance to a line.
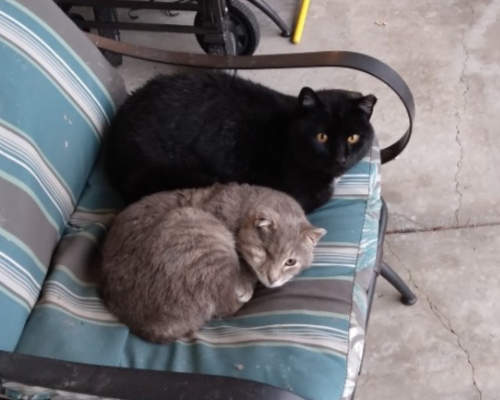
pixel 321 296
pixel 79 254
pixel 22 217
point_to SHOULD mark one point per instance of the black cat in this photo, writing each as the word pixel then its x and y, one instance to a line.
pixel 195 129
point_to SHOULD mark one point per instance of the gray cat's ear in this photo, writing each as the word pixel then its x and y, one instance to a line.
pixel 315 234
pixel 308 98
pixel 264 218
pixel 366 104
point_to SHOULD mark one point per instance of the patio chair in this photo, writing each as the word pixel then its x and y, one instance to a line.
pixel 302 341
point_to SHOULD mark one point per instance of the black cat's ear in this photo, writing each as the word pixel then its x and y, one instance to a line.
pixel 308 98
pixel 366 104
pixel 314 234
pixel 264 218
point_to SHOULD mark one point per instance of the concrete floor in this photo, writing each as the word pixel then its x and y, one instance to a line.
pixel 442 192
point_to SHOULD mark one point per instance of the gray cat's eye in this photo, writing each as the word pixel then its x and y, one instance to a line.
pixel 290 262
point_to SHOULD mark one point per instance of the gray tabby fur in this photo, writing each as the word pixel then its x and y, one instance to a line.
pixel 174 260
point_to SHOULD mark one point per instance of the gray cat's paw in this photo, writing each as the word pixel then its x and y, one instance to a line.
pixel 244 294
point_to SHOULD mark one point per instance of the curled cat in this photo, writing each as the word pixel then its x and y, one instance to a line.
pixel 175 260
pixel 194 129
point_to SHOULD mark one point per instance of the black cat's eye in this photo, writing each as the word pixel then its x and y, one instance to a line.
pixel 290 262
pixel 322 137
pixel 353 139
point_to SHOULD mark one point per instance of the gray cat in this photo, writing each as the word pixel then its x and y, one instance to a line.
pixel 174 260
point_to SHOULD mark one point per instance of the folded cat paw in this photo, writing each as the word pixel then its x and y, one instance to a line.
pixel 244 294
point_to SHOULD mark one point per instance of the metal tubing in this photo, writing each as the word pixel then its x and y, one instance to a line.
pixel 407 296
pixel 132 4
pixel 273 16
pixel 138 26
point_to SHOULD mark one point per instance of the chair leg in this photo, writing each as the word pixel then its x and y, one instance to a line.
pixel 408 297
pixel 273 15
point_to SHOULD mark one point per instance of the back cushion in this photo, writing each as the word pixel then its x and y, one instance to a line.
pixel 54 110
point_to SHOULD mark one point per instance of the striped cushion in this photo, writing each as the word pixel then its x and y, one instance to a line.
pixel 297 337
pixel 53 110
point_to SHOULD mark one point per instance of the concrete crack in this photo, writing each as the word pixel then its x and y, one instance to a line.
pixel 443 319
pixel 441 227
pixel 395 214
pixel 459 117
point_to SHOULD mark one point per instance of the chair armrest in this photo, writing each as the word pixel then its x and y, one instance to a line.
pixel 132 384
pixel 340 59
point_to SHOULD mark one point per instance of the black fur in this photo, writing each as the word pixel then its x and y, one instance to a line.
pixel 193 129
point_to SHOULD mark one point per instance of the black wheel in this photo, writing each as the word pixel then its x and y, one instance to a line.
pixel 221 50
pixel 242 24
pixel 102 14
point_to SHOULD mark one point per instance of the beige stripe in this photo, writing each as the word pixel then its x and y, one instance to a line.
pixel 28 156
pixel 59 299
pixel 16 291
pixel 62 308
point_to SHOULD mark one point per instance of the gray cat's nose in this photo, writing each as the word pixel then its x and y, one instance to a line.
pixel 271 279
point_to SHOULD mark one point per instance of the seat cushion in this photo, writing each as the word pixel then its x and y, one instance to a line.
pixel 306 337
pixel 53 112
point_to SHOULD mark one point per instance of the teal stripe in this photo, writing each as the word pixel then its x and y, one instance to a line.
pixel 13 318
pixel 347 278
pixel 290 369
pixel 30 59
pixel 17 250
pixel 342 219
pixel 41 154
pixel 60 46
pixel 328 271
pixel 12 171
pixel 7 292
pixel 63 135
pixel 362 167
pixel 86 342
